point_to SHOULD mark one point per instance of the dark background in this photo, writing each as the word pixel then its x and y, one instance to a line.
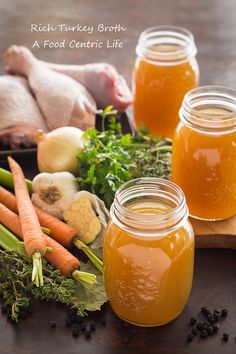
pixel 213 23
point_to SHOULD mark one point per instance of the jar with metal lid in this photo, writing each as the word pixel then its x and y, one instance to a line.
pixel 148 252
pixel 165 70
pixel 204 152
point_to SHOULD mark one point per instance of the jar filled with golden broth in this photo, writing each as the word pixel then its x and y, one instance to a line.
pixel 148 252
pixel 204 152
pixel 165 70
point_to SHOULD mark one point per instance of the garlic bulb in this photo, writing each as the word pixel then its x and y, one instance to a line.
pixel 53 192
pixel 58 149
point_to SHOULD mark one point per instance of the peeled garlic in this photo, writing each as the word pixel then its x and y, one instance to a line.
pixel 53 192
pixel 58 149
pixel 89 216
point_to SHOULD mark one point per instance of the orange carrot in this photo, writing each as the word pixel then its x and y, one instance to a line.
pixel 59 231
pixel 33 236
pixel 60 258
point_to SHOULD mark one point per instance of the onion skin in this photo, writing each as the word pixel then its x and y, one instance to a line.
pixel 58 150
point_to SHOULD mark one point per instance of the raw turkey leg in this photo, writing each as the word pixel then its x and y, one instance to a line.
pixel 62 100
pixel 103 82
pixel 20 116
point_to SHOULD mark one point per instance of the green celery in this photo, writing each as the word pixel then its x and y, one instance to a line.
pixel 6 180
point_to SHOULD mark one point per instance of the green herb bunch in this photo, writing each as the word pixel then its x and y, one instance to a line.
pixel 17 289
pixel 111 158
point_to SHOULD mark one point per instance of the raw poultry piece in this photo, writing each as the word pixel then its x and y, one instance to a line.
pixel 20 116
pixel 102 80
pixel 62 100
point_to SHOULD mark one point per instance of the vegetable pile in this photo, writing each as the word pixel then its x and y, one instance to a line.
pixel 68 211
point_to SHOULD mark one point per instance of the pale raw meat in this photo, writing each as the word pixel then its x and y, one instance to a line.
pixel 62 100
pixel 20 115
pixel 103 82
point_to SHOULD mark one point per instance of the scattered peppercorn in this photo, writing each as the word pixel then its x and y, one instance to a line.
pixel 210 330
pixel 92 326
pixel 225 337
pixel 205 311
pixel 224 313
pixel 87 334
pixel 194 331
pixel 216 327
pixel 217 311
pixel 75 331
pixel 190 337
pixel 216 317
pixel 204 334
pixel 200 326
pixel 192 321
pixel 83 327
pixel 53 324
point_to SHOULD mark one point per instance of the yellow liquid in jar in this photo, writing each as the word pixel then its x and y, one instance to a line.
pixel 148 279
pixel 204 166
pixel 159 91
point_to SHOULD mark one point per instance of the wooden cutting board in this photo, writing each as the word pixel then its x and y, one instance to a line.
pixel 215 234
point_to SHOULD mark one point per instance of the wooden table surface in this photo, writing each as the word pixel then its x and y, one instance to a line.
pixel 213 23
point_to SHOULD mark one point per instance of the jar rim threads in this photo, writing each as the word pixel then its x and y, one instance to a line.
pixel 210 108
pixel 151 225
pixel 178 42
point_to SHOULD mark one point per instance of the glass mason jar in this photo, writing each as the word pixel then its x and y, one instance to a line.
pixel 204 152
pixel 165 70
pixel 148 252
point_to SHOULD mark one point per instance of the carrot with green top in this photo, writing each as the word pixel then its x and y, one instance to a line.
pixel 59 257
pixel 34 239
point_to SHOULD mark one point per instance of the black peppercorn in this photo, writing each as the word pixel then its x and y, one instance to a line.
pixel 190 337
pixel 87 334
pixel 194 331
pixel 216 317
pixel 217 311
pixel 225 337
pixel 75 331
pixel 92 326
pixel 53 324
pixel 204 334
pixel 83 327
pixel 210 330
pixel 224 313
pixel 200 326
pixel 216 327
pixel 192 321
pixel 205 311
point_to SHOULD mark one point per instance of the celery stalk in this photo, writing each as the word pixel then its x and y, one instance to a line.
pixel 6 180
pixel 8 241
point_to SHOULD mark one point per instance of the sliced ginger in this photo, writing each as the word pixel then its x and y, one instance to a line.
pixel 81 216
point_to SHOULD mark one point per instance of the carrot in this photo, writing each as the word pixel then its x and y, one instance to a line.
pixel 60 258
pixel 34 240
pixel 31 229
pixel 61 232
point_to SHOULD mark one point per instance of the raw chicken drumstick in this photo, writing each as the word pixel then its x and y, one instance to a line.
pixel 20 116
pixel 62 100
pixel 103 82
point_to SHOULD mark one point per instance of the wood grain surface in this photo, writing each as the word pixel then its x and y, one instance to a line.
pixel 213 23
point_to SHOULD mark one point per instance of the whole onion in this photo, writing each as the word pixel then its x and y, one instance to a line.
pixel 58 149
